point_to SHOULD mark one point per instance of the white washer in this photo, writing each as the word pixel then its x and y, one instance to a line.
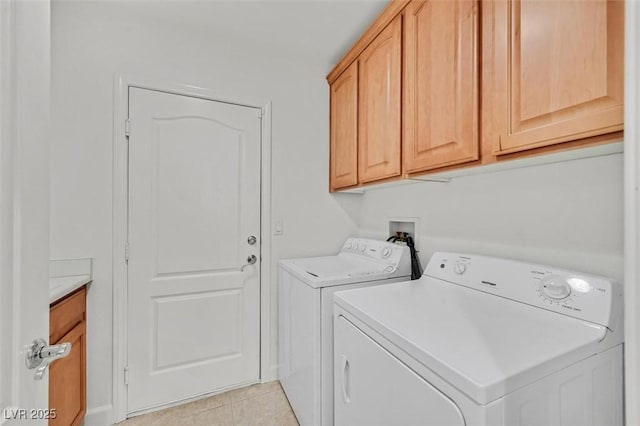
pixel 481 341
pixel 306 288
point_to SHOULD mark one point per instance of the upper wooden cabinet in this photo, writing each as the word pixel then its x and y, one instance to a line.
pixel 444 84
pixel 554 70
pixel 440 84
pixel 343 170
pixel 379 103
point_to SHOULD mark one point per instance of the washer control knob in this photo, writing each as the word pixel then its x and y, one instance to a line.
pixel 363 247
pixel 555 287
pixel 386 252
pixel 460 268
pixel 348 245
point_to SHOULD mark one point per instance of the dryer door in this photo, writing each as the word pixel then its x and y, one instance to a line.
pixel 372 387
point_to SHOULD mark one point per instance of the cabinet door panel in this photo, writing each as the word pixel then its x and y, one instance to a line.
pixel 67 381
pixel 379 105
pixel 344 129
pixel 563 64
pixel 440 84
pixel 66 314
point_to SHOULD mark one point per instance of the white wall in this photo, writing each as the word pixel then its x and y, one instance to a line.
pixel 90 42
pixel 566 214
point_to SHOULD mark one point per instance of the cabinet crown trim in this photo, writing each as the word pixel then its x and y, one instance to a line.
pixel 393 9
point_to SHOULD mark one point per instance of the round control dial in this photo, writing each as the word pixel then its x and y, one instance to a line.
pixel 386 252
pixel 363 247
pixel 555 287
pixel 459 268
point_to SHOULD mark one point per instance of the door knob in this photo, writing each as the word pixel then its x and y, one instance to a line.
pixel 250 261
pixel 252 240
pixel 40 356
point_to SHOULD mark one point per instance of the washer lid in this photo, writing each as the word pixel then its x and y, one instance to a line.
pixel 486 346
pixel 337 270
pixel 336 266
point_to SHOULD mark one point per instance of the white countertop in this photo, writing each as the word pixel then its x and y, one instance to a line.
pixel 66 276
pixel 61 286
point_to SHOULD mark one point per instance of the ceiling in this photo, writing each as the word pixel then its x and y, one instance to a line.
pixel 318 30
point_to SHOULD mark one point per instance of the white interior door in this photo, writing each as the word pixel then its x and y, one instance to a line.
pixel 194 206
pixel 24 206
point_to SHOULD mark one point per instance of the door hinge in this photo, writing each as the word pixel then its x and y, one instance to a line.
pixel 126 252
pixel 126 375
pixel 259 112
pixel 127 127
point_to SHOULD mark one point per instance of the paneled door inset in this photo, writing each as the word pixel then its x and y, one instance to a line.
pixel 193 272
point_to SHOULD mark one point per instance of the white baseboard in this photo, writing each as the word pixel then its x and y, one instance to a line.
pixel 270 375
pixel 99 416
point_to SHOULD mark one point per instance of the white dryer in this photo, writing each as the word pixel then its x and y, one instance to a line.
pixel 481 341
pixel 306 288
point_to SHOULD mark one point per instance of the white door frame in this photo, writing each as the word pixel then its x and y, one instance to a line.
pixel 632 213
pixel 122 83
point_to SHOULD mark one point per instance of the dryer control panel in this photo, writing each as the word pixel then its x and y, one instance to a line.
pixel 588 297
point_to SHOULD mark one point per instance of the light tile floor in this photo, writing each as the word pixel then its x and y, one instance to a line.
pixel 258 405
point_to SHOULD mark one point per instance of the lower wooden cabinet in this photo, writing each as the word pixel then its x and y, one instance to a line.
pixel 67 376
